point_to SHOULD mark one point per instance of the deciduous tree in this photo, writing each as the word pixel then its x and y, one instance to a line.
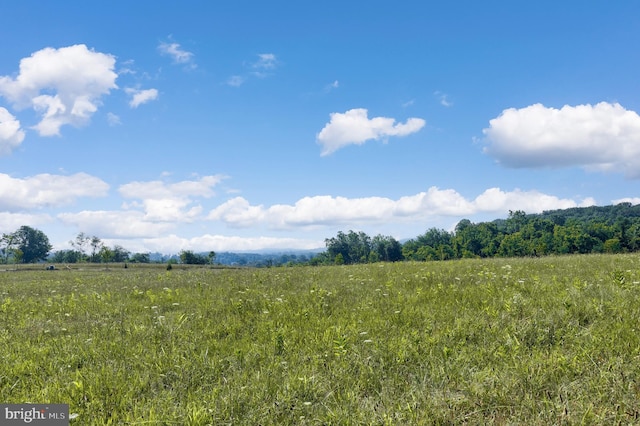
pixel 33 244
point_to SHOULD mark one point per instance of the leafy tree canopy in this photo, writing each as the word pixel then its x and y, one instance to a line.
pixel 26 245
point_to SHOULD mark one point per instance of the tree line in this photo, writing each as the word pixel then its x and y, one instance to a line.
pixel 29 245
pixel 610 229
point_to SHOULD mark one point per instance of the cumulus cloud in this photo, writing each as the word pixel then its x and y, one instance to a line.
pixel 9 222
pixel 115 224
pixel 355 128
pixel 603 137
pixel 435 201
pixel 157 208
pixel 176 52
pixel 11 135
pixel 238 212
pixel 496 200
pixel 139 97
pixel 64 85
pixel 320 210
pixel 332 211
pixel 170 202
pixel 46 190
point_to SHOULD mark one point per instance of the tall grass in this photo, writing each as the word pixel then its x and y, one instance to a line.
pixel 507 341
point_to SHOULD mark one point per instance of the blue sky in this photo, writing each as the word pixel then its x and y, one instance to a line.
pixel 252 125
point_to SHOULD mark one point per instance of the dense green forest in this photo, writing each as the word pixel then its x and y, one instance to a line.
pixel 608 229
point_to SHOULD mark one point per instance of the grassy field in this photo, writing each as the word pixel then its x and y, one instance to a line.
pixel 504 341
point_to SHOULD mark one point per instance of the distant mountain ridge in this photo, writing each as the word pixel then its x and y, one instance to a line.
pixel 250 258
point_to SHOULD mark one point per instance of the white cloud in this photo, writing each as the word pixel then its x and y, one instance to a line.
pixel 632 200
pixel 64 85
pixel 115 224
pixel 496 200
pixel 46 190
pixel 355 128
pixel 176 52
pixel 320 210
pixel 10 222
pixel 158 189
pixel 170 202
pixel 139 97
pixel 160 209
pixel 237 212
pixel 11 135
pixel 333 211
pixel 603 137
pixel 435 201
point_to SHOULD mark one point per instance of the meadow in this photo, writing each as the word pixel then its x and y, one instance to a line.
pixel 504 341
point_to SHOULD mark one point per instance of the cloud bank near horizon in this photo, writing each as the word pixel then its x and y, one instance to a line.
pixel 319 211
pixel 151 210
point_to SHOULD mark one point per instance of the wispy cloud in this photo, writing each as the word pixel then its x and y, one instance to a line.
pixel 177 53
pixel 443 98
pixel 139 97
pixel 126 67
pixel 331 86
pixel 235 80
pixel 266 61
pixel 113 119
pixel 261 68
